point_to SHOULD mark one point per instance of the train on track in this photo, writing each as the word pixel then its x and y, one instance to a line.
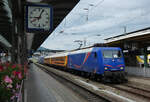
pixel 103 63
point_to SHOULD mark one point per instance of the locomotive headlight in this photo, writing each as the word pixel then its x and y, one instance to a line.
pixel 105 68
pixel 121 67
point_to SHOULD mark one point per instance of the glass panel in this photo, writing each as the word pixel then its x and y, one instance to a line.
pixel 111 54
pixel 107 54
pixel 116 54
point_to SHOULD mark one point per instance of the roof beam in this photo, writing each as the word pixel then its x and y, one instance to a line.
pixel 2 11
pixel 5 25
pixel 61 9
pixel 5 21
pixel 58 18
pixel 4 17
pixel 4 41
pixel 58 13
pixel 6 31
pixel 61 1
pixel 63 5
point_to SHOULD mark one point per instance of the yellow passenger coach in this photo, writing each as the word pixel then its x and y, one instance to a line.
pixel 57 59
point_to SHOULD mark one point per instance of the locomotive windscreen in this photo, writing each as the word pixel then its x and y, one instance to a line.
pixel 112 54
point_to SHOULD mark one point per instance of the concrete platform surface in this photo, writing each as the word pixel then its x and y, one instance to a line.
pixel 138 79
pixel 41 87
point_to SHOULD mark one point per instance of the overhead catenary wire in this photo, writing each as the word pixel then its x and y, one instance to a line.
pixel 65 21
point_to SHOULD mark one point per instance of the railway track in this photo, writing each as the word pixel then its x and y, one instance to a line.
pixel 93 97
pixel 81 91
pixel 129 88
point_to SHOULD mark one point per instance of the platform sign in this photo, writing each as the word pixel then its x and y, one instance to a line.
pixel 39 17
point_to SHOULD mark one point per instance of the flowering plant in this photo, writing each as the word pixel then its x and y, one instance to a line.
pixel 11 76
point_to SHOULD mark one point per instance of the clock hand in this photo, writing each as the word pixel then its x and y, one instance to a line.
pixel 41 13
pixel 34 20
pixel 34 17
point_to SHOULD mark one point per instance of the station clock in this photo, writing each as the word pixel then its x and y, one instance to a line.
pixel 38 17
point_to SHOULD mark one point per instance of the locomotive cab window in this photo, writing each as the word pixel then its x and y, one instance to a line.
pixel 112 54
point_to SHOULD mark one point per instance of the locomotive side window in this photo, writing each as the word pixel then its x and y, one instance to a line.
pixel 112 54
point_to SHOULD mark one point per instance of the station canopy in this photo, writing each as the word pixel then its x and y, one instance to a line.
pixel 5 24
pixel 14 7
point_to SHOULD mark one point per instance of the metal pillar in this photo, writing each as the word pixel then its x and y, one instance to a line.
pixel 22 43
pixel 145 57
pixel 19 53
pixel 14 41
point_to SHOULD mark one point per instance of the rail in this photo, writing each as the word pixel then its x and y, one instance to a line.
pixel 133 90
pixel 20 98
pixel 85 93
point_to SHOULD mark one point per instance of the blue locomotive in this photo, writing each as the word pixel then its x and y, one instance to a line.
pixel 105 63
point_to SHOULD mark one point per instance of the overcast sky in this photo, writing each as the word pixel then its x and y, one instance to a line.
pixel 106 18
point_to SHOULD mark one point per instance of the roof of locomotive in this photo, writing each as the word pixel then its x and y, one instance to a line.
pixel 85 50
pixel 57 55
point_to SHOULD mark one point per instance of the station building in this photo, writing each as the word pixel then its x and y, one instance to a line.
pixel 136 49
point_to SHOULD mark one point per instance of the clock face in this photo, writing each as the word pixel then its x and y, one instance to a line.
pixel 39 17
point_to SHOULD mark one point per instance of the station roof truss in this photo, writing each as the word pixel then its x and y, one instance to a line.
pixel 5 23
pixel 13 8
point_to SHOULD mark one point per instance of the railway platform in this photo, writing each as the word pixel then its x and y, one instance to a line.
pixel 137 71
pixel 140 80
pixel 139 75
pixel 41 87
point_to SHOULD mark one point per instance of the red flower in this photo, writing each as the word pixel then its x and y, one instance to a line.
pixel 25 70
pixel 7 64
pixel 14 66
pixel 1 68
pixel 14 73
pixel 20 75
pixel 7 79
pixel 19 65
